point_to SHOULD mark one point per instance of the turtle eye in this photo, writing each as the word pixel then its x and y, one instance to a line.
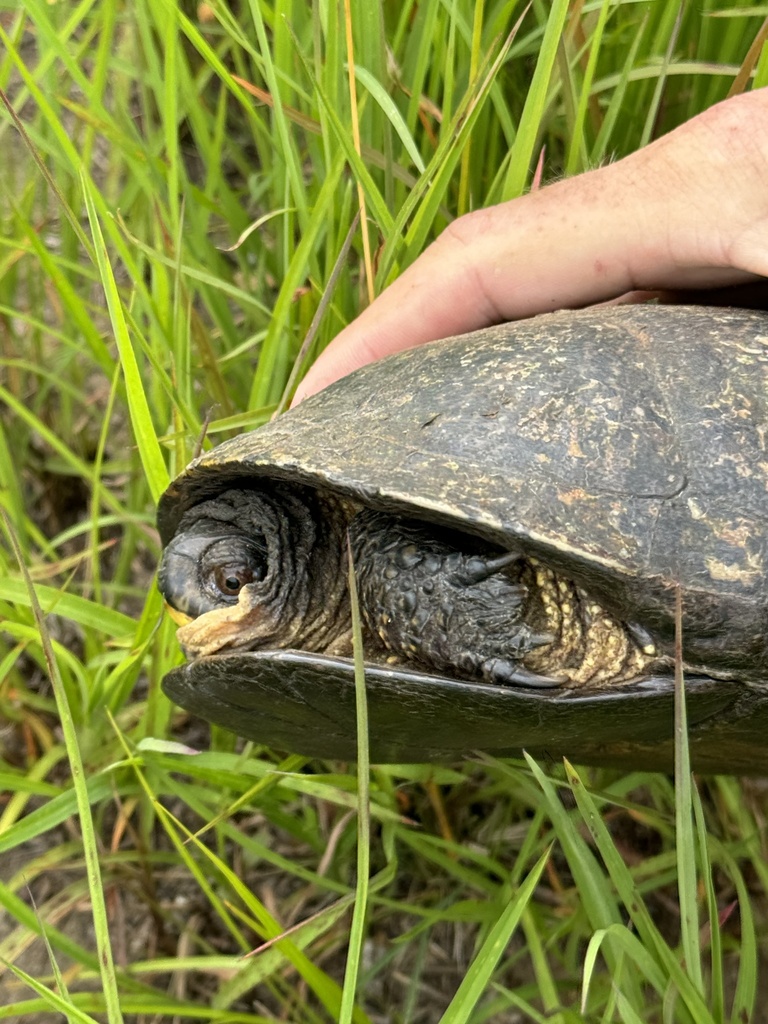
pixel 230 579
pixel 229 564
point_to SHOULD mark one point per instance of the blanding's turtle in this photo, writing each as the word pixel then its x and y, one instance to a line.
pixel 522 506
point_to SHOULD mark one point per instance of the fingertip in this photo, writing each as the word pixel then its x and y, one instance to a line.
pixel 342 356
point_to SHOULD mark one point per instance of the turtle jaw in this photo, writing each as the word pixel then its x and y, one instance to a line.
pixel 246 624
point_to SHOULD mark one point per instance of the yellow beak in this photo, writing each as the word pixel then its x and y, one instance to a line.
pixel 180 618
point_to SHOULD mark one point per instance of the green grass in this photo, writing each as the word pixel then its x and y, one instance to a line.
pixel 176 186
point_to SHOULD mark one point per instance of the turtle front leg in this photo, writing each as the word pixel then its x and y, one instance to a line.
pixel 436 597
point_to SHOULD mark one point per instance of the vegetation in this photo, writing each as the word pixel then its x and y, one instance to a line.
pixel 176 187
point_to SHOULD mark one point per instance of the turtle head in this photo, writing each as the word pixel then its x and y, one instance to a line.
pixel 207 567
pixel 249 569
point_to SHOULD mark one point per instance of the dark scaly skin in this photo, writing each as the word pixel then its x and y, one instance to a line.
pixel 436 597
pixel 444 600
pixel 443 605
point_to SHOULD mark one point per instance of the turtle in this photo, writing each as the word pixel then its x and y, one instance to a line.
pixel 525 508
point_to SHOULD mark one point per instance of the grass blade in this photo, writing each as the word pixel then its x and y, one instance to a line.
pixel 465 1002
pixel 90 845
pixel 150 451
pixel 634 904
pixel 684 830
pixel 53 1000
pixel 357 931
pixel 528 129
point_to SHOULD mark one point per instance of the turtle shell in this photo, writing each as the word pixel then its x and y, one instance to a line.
pixel 624 446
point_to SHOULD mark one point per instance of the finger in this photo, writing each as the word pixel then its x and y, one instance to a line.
pixel 554 248
pixel 658 219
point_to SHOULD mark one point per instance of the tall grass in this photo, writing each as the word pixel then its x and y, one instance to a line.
pixel 176 186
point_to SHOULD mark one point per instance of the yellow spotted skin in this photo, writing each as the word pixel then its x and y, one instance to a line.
pixel 590 648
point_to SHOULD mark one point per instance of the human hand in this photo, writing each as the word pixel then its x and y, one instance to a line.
pixel 690 211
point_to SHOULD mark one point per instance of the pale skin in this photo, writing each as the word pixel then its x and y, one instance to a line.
pixel 688 212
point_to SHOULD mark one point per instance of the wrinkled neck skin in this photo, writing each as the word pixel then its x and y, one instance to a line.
pixel 303 601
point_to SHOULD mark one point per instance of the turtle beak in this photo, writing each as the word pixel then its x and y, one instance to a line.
pixel 180 618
